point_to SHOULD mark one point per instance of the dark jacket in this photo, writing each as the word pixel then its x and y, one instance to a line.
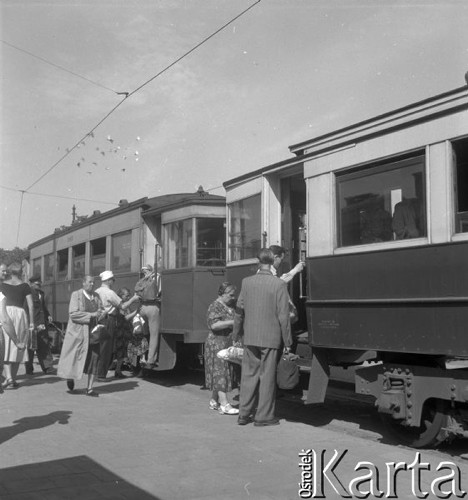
pixel 263 311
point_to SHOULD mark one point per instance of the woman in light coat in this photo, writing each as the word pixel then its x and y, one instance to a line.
pixel 78 355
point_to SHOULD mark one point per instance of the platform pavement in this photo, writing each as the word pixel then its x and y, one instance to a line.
pixel 156 439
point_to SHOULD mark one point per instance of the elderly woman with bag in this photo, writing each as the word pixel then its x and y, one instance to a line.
pixel 80 350
pixel 219 373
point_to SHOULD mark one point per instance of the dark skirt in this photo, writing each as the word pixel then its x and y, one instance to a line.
pixel 92 359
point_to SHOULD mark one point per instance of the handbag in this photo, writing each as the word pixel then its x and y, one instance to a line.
pixel 287 371
pixel 233 354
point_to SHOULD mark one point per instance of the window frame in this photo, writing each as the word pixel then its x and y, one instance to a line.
pixel 382 166
pixel 229 245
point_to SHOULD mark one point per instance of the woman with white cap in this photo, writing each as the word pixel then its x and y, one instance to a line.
pixel 112 303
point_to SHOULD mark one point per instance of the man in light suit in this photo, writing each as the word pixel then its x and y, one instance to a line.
pixel 263 315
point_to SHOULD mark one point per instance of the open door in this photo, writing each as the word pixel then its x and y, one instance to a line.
pixel 293 234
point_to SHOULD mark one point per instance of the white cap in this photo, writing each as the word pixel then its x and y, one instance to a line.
pixel 106 275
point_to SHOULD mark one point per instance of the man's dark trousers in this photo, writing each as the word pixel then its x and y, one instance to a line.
pixel 259 367
pixel 44 355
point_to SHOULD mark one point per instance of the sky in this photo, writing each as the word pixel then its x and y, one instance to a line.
pixel 282 73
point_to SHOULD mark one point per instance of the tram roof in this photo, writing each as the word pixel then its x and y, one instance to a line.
pixel 439 105
pixel 160 204
pixel 149 206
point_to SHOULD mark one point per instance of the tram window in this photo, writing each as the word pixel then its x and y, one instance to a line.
pixel 179 244
pixel 382 203
pixel 460 151
pixel 245 228
pixel 78 260
pixel 210 242
pixel 98 256
pixel 62 265
pixel 36 267
pixel 122 252
pixel 49 267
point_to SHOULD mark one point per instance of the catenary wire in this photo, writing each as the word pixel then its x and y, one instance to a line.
pixel 59 67
pixel 127 95
pixel 46 195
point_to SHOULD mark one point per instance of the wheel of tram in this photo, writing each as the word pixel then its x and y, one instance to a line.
pixel 430 433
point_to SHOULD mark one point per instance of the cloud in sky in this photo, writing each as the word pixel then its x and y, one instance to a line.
pixel 281 74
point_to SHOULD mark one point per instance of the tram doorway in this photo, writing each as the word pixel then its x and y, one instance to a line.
pixel 293 233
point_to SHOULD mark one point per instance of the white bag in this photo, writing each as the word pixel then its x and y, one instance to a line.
pixel 232 354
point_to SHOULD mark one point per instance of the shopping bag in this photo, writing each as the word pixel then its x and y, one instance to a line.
pixel 287 371
pixel 232 354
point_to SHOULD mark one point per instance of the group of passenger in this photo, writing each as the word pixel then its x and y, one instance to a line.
pixel 106 326
pixel 103 327
pixel 261 321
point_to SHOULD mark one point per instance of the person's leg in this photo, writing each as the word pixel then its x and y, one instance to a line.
pixel 7 371
pixel 44 355
pixel 28 365
pixel 105 351
pixel 153 318
pixel 14 371
pixel 249 380
pixel 267 389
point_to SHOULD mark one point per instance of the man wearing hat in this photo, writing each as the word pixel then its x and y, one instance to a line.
pixel 149 291
pixel 41 319
pixel 111 302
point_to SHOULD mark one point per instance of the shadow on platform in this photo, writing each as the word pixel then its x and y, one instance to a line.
pixel 30 423
pixel 74 478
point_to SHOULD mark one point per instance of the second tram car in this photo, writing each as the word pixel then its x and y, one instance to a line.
pixel 182 235
pixel 384 204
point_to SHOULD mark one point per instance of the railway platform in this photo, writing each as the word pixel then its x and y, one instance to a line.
pixel 156 439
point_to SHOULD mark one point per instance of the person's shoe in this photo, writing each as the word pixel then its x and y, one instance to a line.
pixel 265 423
pixel 213 405
pixel 91 393
pixel 119 375
pixel 103 379
pixel 70 384
pixel 138 373
pixel 227 410
pixel 49 371
pixel 245 420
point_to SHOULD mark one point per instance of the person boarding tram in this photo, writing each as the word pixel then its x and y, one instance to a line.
pixel 149 291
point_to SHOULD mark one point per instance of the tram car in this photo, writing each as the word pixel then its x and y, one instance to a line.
pixel 181 235
pixel 379 211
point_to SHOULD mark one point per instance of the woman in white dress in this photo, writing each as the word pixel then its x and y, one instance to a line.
pixel 17 293
pixel 7 329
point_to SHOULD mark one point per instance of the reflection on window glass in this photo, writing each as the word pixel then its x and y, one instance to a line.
pixel 122 252
pixel 98 256
pixel 244 228
pixel 179 245
pixel 36 267
pixel 210 242
pixel 460 156
pixel 49 267
pixel 382 203
pixel 62 265
pixel 78 261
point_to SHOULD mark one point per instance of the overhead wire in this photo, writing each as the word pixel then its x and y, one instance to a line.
pixel 59 67
pixel 48 195
pixel 125 94
pixel 128 94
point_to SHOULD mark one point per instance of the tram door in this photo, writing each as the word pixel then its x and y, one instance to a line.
pixel 293 234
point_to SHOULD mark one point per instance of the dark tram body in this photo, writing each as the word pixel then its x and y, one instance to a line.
pixel 383 207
